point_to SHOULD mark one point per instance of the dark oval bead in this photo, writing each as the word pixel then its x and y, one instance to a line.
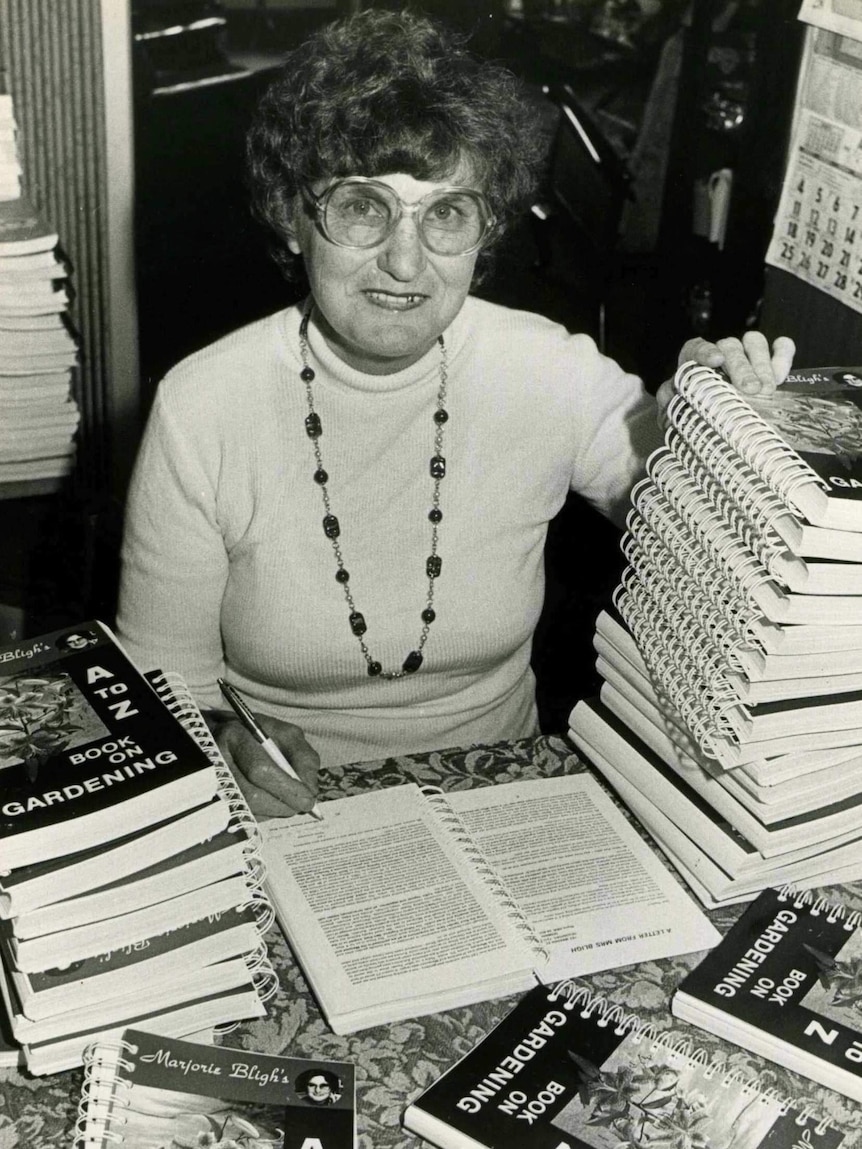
pixel 306 374
pixel 438 467
pixel 342 575
pixel 374 668
pixel 313 426
pixel 320 476
pixel 428 615
pixel 441 416
pixel 433 566
pixel 412 662
pixel 435 515
pixel 357 622
pixel 331 527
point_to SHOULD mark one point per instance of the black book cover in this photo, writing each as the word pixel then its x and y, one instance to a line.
pixel 81 729
pixel 173 1092
pixel 567 1071
pixel 790 968
pixel 818 411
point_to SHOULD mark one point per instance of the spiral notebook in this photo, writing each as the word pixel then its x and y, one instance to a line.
pixel 88 750
pixel 804 440
pixel 146 1090
pixel 190 927
pixel 405 902
pixel 570 1070
pixel 784 983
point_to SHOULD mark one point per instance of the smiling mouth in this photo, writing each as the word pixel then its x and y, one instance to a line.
pixel 390 301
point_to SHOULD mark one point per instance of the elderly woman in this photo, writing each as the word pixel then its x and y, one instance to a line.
pixel 341 508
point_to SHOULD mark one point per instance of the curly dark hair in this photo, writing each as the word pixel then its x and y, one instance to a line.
pixel 383 92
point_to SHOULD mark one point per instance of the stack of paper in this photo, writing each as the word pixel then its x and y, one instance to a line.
pixel 128 859
pixel 730 718
pixel 38 350
pixel 10 164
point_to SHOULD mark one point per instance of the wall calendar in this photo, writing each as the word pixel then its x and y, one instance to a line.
pixel 818 227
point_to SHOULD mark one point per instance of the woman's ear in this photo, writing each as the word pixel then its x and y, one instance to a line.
pixel 291 230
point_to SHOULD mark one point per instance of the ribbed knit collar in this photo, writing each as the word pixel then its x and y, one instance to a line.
pixel 335 372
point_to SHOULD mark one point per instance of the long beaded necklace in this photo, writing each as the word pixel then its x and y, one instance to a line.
pixel 332 527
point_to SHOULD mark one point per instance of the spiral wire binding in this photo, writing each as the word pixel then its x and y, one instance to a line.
pixel 101 1094
pixel 174 692
pixel 722 621
pixel 456 828
pixel 691 434
pixel 686 482
pixel 684 597
pixel 724 408
pixel 712 520
pixel 695 555
pixel 817 905
pixel 677 1047
pixel 674 674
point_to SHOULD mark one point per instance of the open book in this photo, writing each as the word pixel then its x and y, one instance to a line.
pixel 403 902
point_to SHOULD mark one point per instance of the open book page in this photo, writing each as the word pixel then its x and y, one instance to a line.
pixel 385 913
pixel 590 886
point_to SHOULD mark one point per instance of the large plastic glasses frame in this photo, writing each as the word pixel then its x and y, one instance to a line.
pixel 446 242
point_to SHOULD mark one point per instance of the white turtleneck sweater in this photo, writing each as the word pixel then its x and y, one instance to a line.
pixel 227 571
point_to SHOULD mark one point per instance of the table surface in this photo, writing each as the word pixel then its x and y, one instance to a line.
pixel 394 1063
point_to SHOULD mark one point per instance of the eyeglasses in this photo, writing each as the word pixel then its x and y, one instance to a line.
pixel 360 212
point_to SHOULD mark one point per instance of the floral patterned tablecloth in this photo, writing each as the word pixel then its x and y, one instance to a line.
pixel 396 1062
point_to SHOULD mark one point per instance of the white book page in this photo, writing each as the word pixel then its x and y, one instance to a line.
pixel 380 906
pixel 590 886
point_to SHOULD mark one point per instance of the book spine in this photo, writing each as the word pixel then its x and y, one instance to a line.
pixel 724 408
pixel 174 692
pixel 482 867
pixel 104 1094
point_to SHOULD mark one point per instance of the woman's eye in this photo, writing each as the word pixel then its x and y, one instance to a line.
pixel 364 208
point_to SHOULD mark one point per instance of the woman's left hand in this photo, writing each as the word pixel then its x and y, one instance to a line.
pixel 752 366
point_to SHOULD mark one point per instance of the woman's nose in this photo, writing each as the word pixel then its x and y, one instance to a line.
pixel 403 255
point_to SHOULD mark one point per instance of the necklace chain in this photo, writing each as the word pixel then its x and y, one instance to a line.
pixel 332 527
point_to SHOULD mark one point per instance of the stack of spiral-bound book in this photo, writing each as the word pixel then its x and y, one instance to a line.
pixel 730 715
pixel 130 878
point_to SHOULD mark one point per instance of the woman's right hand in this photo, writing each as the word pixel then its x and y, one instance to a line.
pixel 270 792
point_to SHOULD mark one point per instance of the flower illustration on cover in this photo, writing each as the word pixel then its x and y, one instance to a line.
pixel 645 1096
pixel 42 714
pixel 230 1131
pixel 814 423
pixel 169 1119
pixel 837 992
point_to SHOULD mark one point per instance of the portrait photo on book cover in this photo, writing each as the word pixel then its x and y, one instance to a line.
pixel 319 1087
pixel 77 640
pixel 41 713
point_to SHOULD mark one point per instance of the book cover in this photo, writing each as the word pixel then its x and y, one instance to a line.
pixel 784 982
pixel 82 733
pixel 566 1071
pixel 151 1090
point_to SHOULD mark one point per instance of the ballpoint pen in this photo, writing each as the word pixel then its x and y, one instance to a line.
pixel 251 724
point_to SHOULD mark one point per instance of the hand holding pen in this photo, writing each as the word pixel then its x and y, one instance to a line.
pixel 267 777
